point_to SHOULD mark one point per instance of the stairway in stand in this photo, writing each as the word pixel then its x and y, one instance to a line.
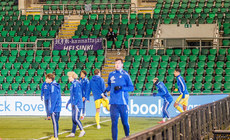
pixel 109 63
pixel 69 27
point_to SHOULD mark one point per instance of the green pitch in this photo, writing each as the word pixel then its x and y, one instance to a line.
pixel 25 128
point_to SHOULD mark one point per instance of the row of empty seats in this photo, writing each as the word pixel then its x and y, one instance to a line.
pixel 205 71
pixel 24 71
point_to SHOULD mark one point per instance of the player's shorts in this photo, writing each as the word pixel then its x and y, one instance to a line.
pixel 104 102
pixel 181 101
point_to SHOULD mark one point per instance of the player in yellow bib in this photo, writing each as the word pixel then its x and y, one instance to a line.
pixel 97 86
pixel 184 95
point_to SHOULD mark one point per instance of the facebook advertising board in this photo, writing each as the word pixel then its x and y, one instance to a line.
pixel 139 106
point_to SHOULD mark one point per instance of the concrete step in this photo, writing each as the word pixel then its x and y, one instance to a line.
pixel 72 22
pixel 69 34
pixel 67 30
pixel 108 65
pixel 65 36
pixel 74 17
pixel 33 13
pixel 110 62
pixel 69 27
pixel 113 58
pixel 107 69
pixel 145 11
pixel 35 5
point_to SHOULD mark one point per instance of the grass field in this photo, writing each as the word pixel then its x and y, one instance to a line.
pixel 25 128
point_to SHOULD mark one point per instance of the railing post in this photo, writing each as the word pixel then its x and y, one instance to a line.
pixel 227 112
pixel 169 134
pixel 182 129
pixel 200 43
pixel 148 45
pixel 199 124
pixel 63 9
pixel 111 8
pixel 105 47
pixel 52 45
pixel 128 45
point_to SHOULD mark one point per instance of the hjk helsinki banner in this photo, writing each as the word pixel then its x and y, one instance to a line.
pixel 142 106
pixel 78 44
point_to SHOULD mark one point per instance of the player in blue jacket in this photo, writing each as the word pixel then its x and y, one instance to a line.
pixel 84 87
pixel 119 84
pixel 55 96
pixel 45 91
pixel 184 95
pixel 163 92
pixel 97 86
pixel 76 103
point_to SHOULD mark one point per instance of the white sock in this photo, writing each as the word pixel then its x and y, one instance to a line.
pixel 164 119
pixel 169 118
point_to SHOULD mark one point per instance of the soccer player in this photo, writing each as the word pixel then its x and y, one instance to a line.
pixel 45 91
pixel 184 95
pixel 163 92
pixel 76 103
pixel 97 86
pixel 84 87
pixel 119 84
pixel 55 96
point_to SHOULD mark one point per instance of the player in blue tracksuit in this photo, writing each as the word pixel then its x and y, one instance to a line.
pixel 76 103
pixel 45 91
pixel 55 96
pixel 119 84
pixel 97 86
pixel 84 86
pixel 184 95
pixel 163 92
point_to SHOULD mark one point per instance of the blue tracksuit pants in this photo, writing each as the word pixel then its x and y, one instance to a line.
pixel 166 105
pixel 83 109
pixel 75 118
pixel 115 112
pixel 55 118
pixel 47 106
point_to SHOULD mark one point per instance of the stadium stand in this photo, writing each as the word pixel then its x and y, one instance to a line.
pixel 29 28
pixel 138 25
pixel 205 71
pixel 22 72
pixel 195 12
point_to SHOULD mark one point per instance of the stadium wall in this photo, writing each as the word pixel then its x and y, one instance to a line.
pixel 195 124
pixel 139 106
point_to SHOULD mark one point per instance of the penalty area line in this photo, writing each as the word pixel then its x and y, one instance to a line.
pixel 70 131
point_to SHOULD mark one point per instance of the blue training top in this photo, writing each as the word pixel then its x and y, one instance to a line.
pixel 55 97
pixel 45 91
pixel 119 78
pixel 84 86
pixel 163 92
pixel 76 94
pixel 97 86
pixel 182 86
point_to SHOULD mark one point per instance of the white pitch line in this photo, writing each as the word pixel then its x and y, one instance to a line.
pixel 70 131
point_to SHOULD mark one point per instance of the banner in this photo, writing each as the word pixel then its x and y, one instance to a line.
pixel 78 44
pixel 139 106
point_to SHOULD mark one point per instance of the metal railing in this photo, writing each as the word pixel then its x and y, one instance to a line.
pixel 17 47
pixel 194 124
pixel 136 9
pixel 111 9
pixel 35 44
pixel 162 42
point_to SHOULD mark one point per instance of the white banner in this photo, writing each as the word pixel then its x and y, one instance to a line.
pixel 142 106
